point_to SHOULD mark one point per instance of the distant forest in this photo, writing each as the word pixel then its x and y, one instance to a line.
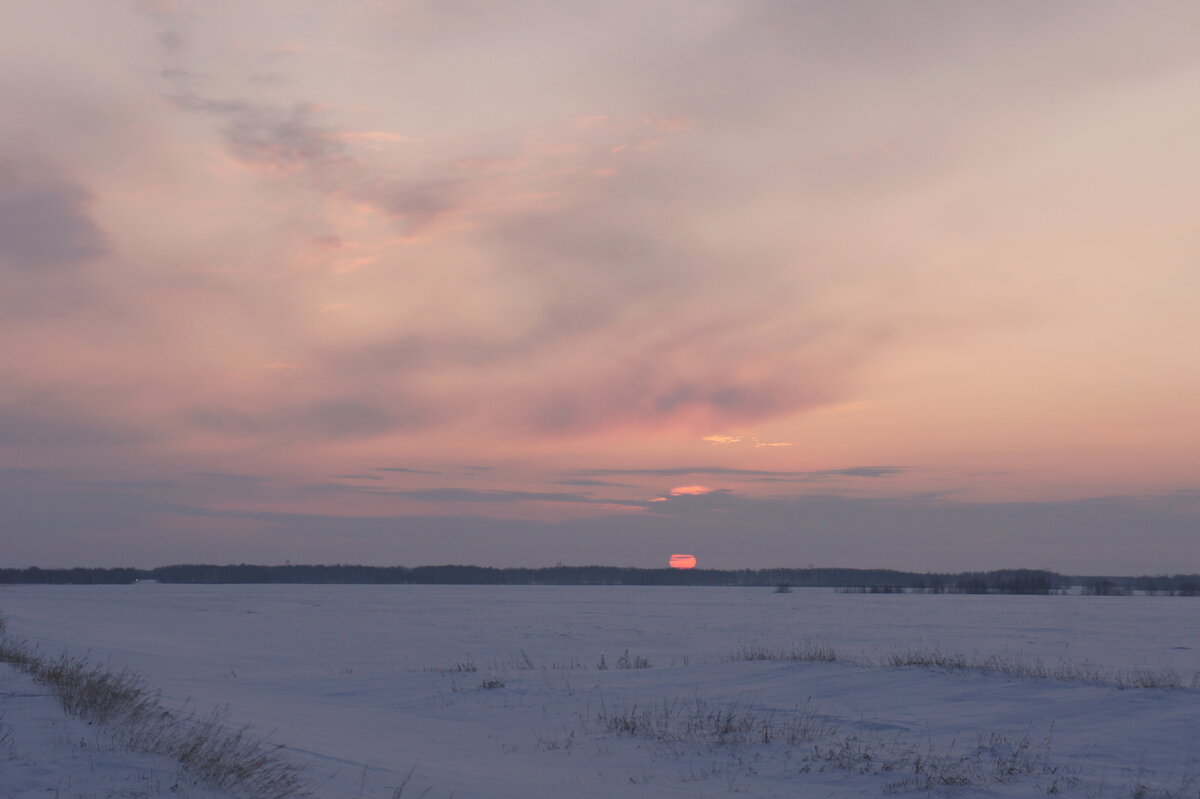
pixel 1005 581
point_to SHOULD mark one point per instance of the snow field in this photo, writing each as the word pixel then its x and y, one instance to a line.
pixel 496 692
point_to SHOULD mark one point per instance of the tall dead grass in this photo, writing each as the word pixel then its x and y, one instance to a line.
pixel 234 760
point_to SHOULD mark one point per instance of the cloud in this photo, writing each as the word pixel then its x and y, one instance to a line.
pixel 348 419
pixel 821 474
pixel 287 142
pixel 450 495
pixel 574 268
pixel 345 418
pixel 403 470
pixel 44 220
pixel 66 524
pixel 692 491
pixel 230 477
pixel 282 139
pixel 62 428
pixel 754 440
pixel 585 481
pixel 126 485
pixel 532 250
pixel 858 471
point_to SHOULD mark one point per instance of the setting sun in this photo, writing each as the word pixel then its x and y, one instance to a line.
pixel 683 561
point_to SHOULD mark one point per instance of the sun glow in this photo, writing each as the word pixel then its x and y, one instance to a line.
pixel 683 561
pixel 691 491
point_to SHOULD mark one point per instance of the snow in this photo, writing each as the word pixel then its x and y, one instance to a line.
pixel 369 685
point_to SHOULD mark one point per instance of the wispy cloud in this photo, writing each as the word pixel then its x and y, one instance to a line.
pixel 336 418
pixel 752 440
pixel 451 495
pixel 231 477
pixel 587 481
pixel 820 474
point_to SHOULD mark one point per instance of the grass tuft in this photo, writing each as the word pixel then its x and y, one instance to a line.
pixel 627 661
pixel 697 720
pixel 802 652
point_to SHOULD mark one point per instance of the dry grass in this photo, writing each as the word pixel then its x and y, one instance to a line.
pixel 8 748
pixel 231 760
pixel 1149 678
pixel 628 661
pixel 808 651
pixel 697 720
pixel 803 652
pixel 822 747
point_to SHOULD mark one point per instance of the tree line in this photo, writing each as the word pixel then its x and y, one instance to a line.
pixel 1005 581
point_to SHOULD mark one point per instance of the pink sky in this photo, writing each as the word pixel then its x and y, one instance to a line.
pixel 894 285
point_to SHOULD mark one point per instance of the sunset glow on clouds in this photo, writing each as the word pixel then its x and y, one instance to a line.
pixel 693 491
pixel 425 282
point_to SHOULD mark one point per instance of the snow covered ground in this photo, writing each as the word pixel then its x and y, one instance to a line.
pixel 495 692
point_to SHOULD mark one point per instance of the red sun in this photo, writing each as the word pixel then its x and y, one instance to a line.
pixel 683 561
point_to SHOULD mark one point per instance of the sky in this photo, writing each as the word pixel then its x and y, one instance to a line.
pixel 770 282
